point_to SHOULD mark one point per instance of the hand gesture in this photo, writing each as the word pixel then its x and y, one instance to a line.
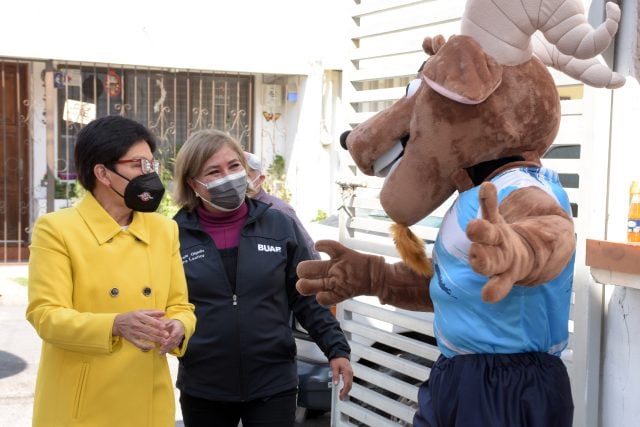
pixel 497 250
pixel 345 275
pixel 175 328
pixel 142 328
pixel 349 273
pixel 340 366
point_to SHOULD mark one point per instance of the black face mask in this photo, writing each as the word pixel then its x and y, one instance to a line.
pixel 143 193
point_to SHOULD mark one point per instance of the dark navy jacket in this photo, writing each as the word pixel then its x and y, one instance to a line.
pixel 243 347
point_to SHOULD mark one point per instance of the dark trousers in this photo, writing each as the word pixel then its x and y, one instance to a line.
pixel 496 390
pixel 273 411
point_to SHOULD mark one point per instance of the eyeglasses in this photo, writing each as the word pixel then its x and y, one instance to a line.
pixel 147 166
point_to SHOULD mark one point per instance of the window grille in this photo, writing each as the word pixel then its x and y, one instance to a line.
pixel 172 104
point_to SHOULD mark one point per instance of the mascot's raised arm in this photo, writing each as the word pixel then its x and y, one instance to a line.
pixel 477 120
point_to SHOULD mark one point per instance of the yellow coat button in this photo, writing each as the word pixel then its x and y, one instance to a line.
pixel 114 292
pixel 146 291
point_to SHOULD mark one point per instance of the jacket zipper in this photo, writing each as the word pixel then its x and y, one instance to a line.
pixel 235 299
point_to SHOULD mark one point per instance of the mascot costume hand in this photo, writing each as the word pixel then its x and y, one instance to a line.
pixel 477 120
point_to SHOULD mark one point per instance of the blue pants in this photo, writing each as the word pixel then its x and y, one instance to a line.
pixel 495 390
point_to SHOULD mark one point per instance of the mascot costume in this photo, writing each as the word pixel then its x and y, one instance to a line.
pixel 477 121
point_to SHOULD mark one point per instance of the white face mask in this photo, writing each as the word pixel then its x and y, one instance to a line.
pixel 228 193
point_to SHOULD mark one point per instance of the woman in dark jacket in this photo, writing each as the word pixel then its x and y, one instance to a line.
pixel 240 261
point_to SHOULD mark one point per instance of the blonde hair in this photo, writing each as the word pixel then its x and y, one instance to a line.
pixel 195 152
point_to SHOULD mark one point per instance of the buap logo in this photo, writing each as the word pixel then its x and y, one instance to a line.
pixel 269 248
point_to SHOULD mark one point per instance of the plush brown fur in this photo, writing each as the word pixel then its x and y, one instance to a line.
pixel 522 114
pixel 474 76
pixel 527 240
pixel 433 45
pixel 469 109
pixel 348 274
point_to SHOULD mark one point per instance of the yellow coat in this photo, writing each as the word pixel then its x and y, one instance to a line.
pixel 83 270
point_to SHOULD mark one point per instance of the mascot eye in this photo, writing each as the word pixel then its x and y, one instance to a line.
pixel 413 86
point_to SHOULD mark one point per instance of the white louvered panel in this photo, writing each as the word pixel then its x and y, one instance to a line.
pixel 410 38
pixel 395 340
pixel 361 414
pixel 417 15
pixel 407 64
pixel 399 410
pixel 571 130
pixel 379 51
pixel 562 165
pixel 392 70
pixel 362 245
pixel 341 423
pixel 369 224
pixel 376 6
pixel 364 203
pixel 382 226
pixel 406 367
pixel 419 322
pixel 386 382
pixel 379 95
pixel 571 107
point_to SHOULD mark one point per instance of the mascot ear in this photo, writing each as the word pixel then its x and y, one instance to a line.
pixel 432 45
pixel 461 71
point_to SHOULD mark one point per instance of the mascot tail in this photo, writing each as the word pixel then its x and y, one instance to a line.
pixel 411 249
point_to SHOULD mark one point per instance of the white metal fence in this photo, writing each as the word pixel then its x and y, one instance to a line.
pixel 392 349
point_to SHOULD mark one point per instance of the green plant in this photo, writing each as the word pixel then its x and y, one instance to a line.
pixel 277 168
pixel 275 182
pixel 65 189
pixel 320 216
pixel 167 207
pixel 22 281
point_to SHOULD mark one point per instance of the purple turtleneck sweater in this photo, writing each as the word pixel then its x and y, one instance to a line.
pixel 223 227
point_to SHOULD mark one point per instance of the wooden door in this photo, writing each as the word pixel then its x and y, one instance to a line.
pixel 14 163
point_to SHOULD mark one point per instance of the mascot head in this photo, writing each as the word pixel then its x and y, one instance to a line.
pixel 482 99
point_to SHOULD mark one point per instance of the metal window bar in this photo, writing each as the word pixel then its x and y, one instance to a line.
pixel 172 103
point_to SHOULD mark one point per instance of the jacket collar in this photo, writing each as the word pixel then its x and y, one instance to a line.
pixel 189 219
pixel 103 226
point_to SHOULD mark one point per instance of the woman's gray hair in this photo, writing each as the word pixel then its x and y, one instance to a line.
pixel 195 152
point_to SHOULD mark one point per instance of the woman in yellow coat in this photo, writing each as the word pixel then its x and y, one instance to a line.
pixel 107 291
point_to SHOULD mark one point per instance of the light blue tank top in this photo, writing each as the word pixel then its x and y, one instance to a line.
pixel 528 319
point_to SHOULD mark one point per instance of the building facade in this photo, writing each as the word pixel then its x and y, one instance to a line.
pixel 254 70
